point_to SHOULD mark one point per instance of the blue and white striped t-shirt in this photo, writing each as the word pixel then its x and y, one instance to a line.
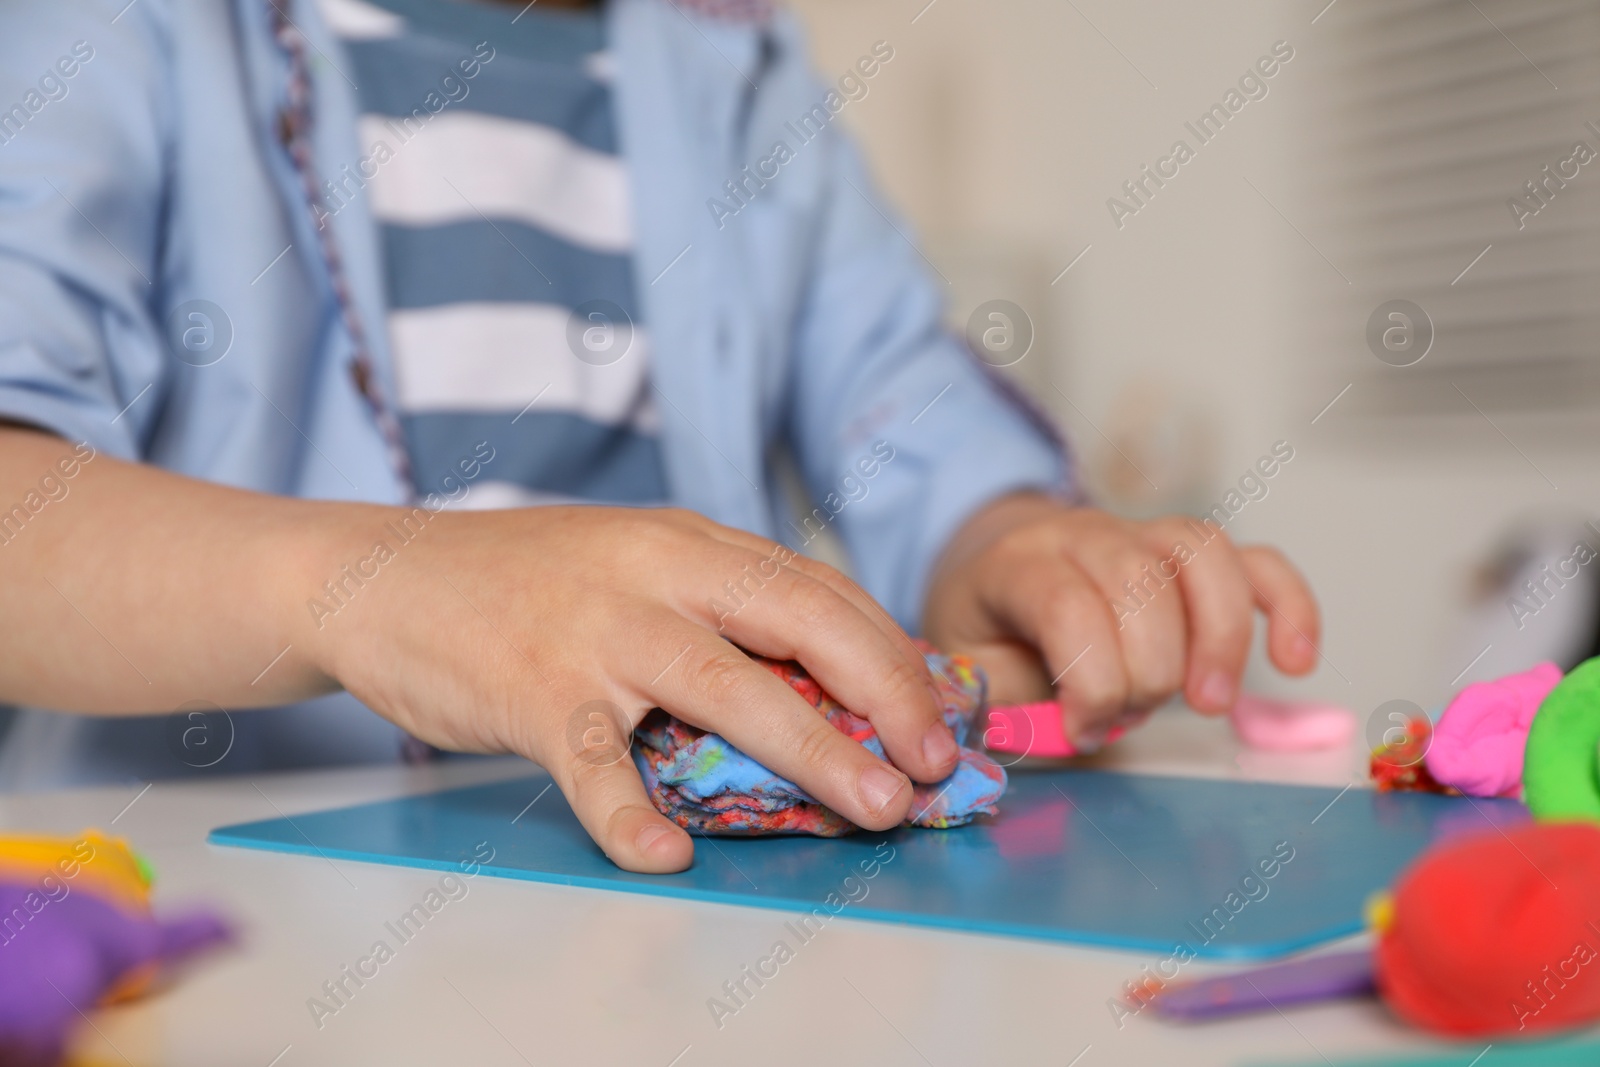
pixel 491 164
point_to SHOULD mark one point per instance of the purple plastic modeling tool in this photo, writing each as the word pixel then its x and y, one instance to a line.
pixel 1326 977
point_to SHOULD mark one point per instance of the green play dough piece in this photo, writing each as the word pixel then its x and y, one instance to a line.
pixel 146 869
pixel 1560 776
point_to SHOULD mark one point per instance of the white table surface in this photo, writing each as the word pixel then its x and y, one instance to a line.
pixel 516 972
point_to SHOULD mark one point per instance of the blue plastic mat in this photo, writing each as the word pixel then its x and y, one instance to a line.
pixel 1230 870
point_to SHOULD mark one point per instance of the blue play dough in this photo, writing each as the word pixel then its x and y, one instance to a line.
pixel 1118 860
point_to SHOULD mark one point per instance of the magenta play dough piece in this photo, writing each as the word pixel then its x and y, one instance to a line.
pixel 1284 726
pixel 1034 730
pixel 1479 742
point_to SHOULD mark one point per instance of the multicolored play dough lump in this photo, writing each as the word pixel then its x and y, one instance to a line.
pixel 703 783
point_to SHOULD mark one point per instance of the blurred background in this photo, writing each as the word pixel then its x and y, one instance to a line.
pixel 1179 337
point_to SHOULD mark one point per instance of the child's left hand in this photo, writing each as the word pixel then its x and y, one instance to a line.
pixel 1113 617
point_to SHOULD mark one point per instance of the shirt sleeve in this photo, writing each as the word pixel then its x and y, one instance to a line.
pixel 880 386
pixel 83 143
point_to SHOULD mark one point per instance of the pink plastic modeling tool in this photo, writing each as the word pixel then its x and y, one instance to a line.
pixel 1035 730
pixel 1260 722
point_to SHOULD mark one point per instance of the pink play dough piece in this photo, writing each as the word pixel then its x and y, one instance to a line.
pixel 1034 730
pixel 1479 741
pixel 1285 726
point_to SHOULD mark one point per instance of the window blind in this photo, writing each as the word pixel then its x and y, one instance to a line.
pixel 1458 161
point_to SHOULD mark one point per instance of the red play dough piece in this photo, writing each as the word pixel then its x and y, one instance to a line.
pixel 1498 934
pixel 1399 767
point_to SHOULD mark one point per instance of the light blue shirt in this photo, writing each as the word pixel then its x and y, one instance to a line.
pixel 153 177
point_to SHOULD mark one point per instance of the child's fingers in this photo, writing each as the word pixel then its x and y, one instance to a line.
pixel 1065 615
pixel 1151 626
pixel 610 801
pixel 1294 626
pixel 716 687
pixel 1221 613
pixel 874 611
pixel 834 580
pixel 796 617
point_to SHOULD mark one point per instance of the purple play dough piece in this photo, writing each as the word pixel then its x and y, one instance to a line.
pixel 65 957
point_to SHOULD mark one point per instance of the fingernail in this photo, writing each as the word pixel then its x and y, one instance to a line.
pixel 1132 720
pixel 1090 739
pixel 939 745
pixel 1217 691
pixel 879 786
pixel 1302 649
pixel 649 835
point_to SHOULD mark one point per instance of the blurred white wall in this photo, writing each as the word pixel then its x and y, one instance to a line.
pixel 1198 333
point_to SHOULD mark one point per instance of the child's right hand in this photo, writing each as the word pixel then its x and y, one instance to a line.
pixel 494 632
pixel 137 590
